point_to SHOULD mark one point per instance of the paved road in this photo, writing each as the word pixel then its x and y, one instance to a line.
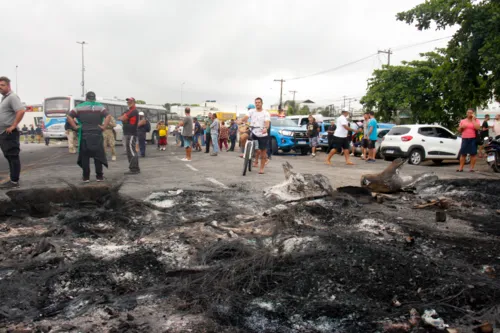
pixel 51 166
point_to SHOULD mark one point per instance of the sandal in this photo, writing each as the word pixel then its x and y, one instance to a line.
pixel 472 170
pixel 460 170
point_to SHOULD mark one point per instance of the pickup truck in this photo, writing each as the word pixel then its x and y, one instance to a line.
pixel 286 136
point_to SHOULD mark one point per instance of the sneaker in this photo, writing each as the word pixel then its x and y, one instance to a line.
pixel 370 161
pixel 185 160
pixel 85 181
pixel 313 155
pixel 113 158
pixel 100 179
pixel 9 185
pixel 132 172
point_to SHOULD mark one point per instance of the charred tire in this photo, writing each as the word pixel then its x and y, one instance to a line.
pixel 437 162
pixel 416 157
pixel 304 151
pixel 274 146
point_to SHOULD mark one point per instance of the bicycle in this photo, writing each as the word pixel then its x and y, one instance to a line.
pixel 249 152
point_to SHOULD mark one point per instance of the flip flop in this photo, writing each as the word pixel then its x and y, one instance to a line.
pixel 350 163
pixel 460 170
pixel 261 172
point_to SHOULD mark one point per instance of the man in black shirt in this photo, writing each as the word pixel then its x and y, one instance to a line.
pixel 331 129
pixel 130 121
pixel 313 132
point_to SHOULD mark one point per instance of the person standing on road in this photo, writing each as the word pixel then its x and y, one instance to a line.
pixel 187 134
pixel 366 138
pixel 71 136
pixel 11 114
pixel 485 133
pixel 313 132
pixel 214 131
pixel 469 127
pixel 39 134
pixel 162 131
pixel 208 134
pixel 25 133
pixel 143 128
pixel 90 115
pixel 198 132
pixel 340 140
pixel 109 137
pixel 223 136
pixel 130 121
pixel 372 136
pixel 496 126
pixel 331 129
pixel 233 133
pixel 260 121
pixel 32 133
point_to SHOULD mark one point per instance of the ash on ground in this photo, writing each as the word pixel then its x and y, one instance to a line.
pixel 232 261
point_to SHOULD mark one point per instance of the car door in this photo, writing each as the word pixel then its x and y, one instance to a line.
pixel 428 139
pixel 449 144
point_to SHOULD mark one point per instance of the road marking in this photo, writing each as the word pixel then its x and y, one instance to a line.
pixel 191 167
pixel 216 182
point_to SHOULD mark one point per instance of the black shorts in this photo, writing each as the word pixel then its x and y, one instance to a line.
pixel 340 143
pixel 371 144
pixel 365 143
pixel 263 141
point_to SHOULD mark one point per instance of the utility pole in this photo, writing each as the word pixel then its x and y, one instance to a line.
pixel 83 67
pixel 388 52
pixel 281 91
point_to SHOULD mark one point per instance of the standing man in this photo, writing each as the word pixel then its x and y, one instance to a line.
pixel 143 128
pixel 260 121
pixel 130 121
pixel 496 126
pixel 90 115
pixel 198 132
pixel 233 132
pixel 11 114
pixel 109 137
pixel 366 138
pixel 340 140
pixel 39 134
pixel 313 132
pixel 214 132
pixel 485 133
pixel 71 135
pixel 372 136
pixel 25 133
pixel 187 133
pixel 208 135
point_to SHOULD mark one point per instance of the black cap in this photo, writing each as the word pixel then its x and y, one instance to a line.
pixel 90 96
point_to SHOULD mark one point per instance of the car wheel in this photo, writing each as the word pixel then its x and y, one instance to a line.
pixel 416 157
pixel 437 162
pixel 274 146
pixel 304 151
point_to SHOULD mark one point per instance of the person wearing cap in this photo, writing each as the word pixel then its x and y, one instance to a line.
pixel 340 140
pixel 143 128
pixel 130 121
pixel 187 134
pixel 90 115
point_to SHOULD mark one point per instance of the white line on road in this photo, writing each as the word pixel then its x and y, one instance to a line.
pixel 191 167
pixel 216 182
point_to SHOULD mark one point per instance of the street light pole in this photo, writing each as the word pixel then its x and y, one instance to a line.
pixel 83 67
pixel 17 90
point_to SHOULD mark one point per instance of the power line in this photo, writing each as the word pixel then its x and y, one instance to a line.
pixel 422 43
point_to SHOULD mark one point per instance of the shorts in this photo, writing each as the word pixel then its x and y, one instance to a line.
pixel 314 141
pixel 262 140
pixel 371 144
pixel 469 147
pixel 162 140
pixel 188 141
pixel 365 143
pixel 340 143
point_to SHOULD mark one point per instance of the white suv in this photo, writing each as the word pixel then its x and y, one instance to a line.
pixel 421 142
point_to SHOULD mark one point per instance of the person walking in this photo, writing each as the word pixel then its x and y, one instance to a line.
pixel 130 121
pixel 469 127
pixel 198 132
pixel 11 114
pixel 90 115
pixel 223 136
pixel 25 131
pixel 109 138
pixel 313 133
pixel 372 136
pixel 340 140
pixel 143 128
pixel 208 134
pixel 233 133
pixel 214 132
pixel 187 133
pixel 71 136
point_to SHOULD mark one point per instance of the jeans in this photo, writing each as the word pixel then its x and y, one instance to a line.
pixel 215 142
pixel 208 143
pixel 142 143
pixel 9 143
pixel 233 142
pixel 133 158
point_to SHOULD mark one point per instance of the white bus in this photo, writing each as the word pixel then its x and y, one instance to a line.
pixel 56 109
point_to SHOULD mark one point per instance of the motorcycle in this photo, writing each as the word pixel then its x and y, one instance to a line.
pixel 492 148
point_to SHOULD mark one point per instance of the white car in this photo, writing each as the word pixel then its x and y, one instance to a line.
pixel 421 142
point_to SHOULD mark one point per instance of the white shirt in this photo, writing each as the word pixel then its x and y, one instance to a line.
pixel 258 119
pixel 340 131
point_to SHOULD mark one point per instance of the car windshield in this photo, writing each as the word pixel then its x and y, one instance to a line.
pixel 283 122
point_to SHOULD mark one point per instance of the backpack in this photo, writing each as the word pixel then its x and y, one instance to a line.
pixel 147 127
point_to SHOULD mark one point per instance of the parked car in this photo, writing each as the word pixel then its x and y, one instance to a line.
pixel 286 135
pixel 383 129
pixel 421 142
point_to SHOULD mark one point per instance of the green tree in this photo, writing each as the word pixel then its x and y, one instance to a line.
pixel 292 108
pixel 304 110
pixel 167 107
pixel 140 102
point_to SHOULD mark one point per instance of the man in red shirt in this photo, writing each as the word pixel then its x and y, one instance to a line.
pixel 130 120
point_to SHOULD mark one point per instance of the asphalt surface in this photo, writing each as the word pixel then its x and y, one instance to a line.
pixel 160 170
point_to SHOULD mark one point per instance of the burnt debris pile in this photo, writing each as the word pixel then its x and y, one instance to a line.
pixel 234 261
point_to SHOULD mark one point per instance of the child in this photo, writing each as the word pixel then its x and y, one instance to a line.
pixel 162 135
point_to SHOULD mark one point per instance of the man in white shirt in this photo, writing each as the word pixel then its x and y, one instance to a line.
pixel 340 140
pixel 260 121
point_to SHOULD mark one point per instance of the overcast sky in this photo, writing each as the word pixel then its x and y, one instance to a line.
pixel 226 50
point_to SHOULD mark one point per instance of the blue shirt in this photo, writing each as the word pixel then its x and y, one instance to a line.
pixel 372 125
